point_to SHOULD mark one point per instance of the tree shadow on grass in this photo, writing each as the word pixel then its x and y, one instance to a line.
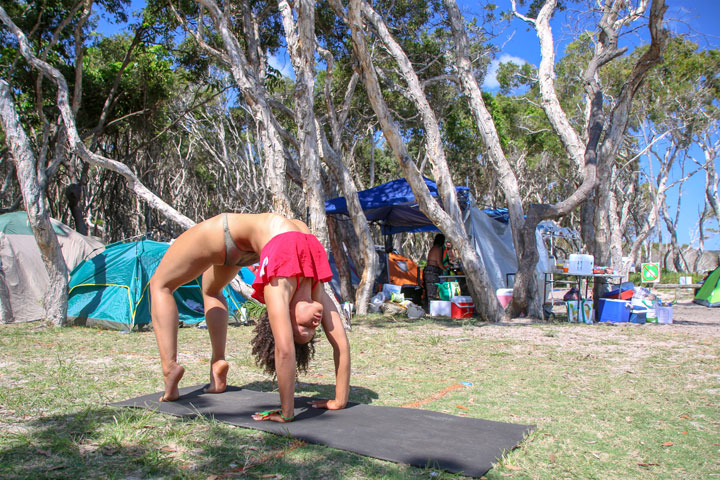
pixel 323 391
pixel 401 321
pixel 108 442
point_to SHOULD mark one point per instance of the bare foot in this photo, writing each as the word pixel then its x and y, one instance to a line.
pixel 218 377
pixel 172 379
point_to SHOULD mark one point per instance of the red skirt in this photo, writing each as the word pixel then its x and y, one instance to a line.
pixel 291 254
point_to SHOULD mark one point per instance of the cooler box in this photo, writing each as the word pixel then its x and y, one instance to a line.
pixel 613 311
pixel 625 292
pixel 580 264
pixel 440 308
pixel 462 307
pixel 504 295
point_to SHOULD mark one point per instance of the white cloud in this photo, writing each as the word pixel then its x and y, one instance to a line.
pixel 491 82
pixel 281 62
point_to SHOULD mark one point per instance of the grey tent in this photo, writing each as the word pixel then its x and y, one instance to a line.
pixel 22 265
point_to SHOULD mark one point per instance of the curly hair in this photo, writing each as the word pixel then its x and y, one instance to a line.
pixel 263 347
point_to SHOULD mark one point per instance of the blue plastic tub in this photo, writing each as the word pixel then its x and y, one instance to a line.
pixel 638 315
pixel 613 311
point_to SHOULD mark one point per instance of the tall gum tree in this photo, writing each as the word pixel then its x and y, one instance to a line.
pixel 597 144
pixel 360 15
pixel 56 297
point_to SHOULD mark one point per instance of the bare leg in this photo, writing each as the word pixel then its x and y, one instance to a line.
pixel 216 318
pixel 165 326
pixel 189 256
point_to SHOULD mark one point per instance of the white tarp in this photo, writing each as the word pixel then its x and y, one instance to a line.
pixel 494 244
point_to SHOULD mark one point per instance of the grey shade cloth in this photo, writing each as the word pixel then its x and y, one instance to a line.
pixel 422 438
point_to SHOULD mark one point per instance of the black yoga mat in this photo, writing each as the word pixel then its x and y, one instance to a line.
pixel 405 435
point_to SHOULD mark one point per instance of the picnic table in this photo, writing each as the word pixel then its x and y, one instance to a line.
pixel 577 279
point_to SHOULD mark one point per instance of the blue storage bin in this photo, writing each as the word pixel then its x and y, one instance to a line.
pixel 613 311
pixel 638 315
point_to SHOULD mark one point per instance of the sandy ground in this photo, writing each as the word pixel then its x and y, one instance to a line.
pixel 695 319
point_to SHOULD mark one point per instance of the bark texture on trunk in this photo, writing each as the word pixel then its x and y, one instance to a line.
pixel 486 305
pixel 300 36
pixel 56 297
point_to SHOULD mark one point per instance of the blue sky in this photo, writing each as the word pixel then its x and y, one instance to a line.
pixel 699 19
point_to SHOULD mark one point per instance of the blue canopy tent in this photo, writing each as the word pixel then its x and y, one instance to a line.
pixel 392 206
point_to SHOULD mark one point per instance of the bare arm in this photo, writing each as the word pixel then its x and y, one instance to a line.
pixel 332 325
pixel 277 298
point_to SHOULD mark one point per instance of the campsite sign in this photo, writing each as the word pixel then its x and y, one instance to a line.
pixel 650 273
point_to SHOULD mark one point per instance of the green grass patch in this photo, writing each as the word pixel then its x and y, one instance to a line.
pixel 609 402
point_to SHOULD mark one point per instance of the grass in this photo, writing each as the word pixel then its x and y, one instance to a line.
pixel 609 402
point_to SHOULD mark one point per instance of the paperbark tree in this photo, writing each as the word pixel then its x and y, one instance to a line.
pixel 602 134
pixel 450 221
pixel 329 153
pixel 300 36
pixel 711 147
pixel 678 99
pixel 76 143
pixel 247 76
pixel 56 297
pixel 78 147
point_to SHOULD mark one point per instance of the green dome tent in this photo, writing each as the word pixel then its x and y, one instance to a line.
pixel 709 293
pixel 111 289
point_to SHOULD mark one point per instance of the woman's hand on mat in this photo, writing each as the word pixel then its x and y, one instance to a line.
pixel 329 404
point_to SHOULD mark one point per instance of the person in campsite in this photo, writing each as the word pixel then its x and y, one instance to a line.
pixel 450 259
pixel 434 268
pixel 293 268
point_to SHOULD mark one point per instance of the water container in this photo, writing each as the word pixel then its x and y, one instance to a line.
pixel 579 264
pixel 664 314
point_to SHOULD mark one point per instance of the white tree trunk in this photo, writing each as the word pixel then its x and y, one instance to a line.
pixel 56 297
pixel 300 37
pixel 360 224
pixel 486 304
pixel 254 96
pixel 343 176
pixel 617 123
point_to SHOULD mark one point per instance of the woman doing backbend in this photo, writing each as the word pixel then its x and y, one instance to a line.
pixel 293 267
